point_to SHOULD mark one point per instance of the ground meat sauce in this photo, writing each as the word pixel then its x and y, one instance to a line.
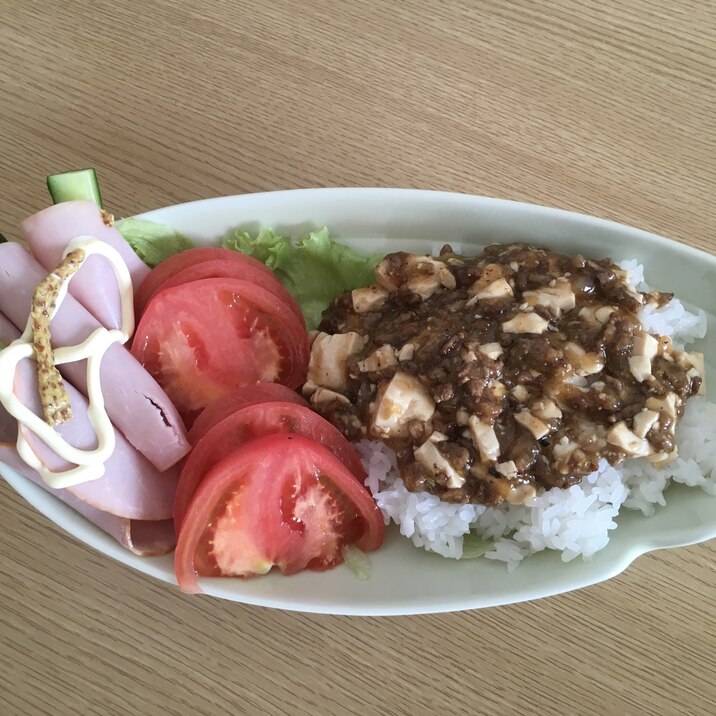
pixel 494 375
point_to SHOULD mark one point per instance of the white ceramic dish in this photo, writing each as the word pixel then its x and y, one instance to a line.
pixel 405 580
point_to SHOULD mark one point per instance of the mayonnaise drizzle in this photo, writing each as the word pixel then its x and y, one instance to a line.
pixel 89 463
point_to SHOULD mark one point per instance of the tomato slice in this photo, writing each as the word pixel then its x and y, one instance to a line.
pixel 251 422
pixel 221 268
pixel 204 339
pixel 228 404
pixel 174 264
pixel 279 501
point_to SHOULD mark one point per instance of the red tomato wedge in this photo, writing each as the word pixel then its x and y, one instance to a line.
pixel 204 339
pixel 174 264
pixel 279 501
pixel 228 404
pixel 222 268
pixel 249 423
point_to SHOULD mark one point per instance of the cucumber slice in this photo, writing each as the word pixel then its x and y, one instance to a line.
pixel 80 184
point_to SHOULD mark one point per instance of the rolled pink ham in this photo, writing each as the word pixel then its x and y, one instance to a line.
pixel 131 487
pixel 8 424
pixel 134 401
pixel 142 537
pixel 95 287
pixel 8 331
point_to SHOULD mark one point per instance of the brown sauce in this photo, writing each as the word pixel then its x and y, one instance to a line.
pixel 494 375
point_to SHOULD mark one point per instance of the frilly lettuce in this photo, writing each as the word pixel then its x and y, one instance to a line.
pixel 315 269
pixel 474 545
pixel 152 242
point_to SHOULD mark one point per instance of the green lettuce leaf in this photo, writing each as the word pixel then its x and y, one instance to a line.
pixel 152 242
pixel 357 561
pixel 474 546
pixel 314 270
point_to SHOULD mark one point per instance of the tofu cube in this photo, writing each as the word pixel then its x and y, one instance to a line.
pixel 328 366
pixel 403 399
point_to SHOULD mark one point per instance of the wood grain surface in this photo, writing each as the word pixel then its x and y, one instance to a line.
pixel 606 108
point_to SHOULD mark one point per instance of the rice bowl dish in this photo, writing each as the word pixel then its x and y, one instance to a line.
pixel 575 521
pixel 503 534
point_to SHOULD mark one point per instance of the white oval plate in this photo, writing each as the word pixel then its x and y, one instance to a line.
pixel 406 580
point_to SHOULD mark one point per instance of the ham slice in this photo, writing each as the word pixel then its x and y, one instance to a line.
pixel 134 401
pixel 50 231
pixel 8 424
pixel 131 488
pixel 142 537
pixel 8 331
pixel 145 537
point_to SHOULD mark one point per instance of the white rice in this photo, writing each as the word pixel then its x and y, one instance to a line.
pixel 672 320
pixel 575 521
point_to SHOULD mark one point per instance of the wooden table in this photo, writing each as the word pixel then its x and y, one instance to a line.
pixel 605 108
